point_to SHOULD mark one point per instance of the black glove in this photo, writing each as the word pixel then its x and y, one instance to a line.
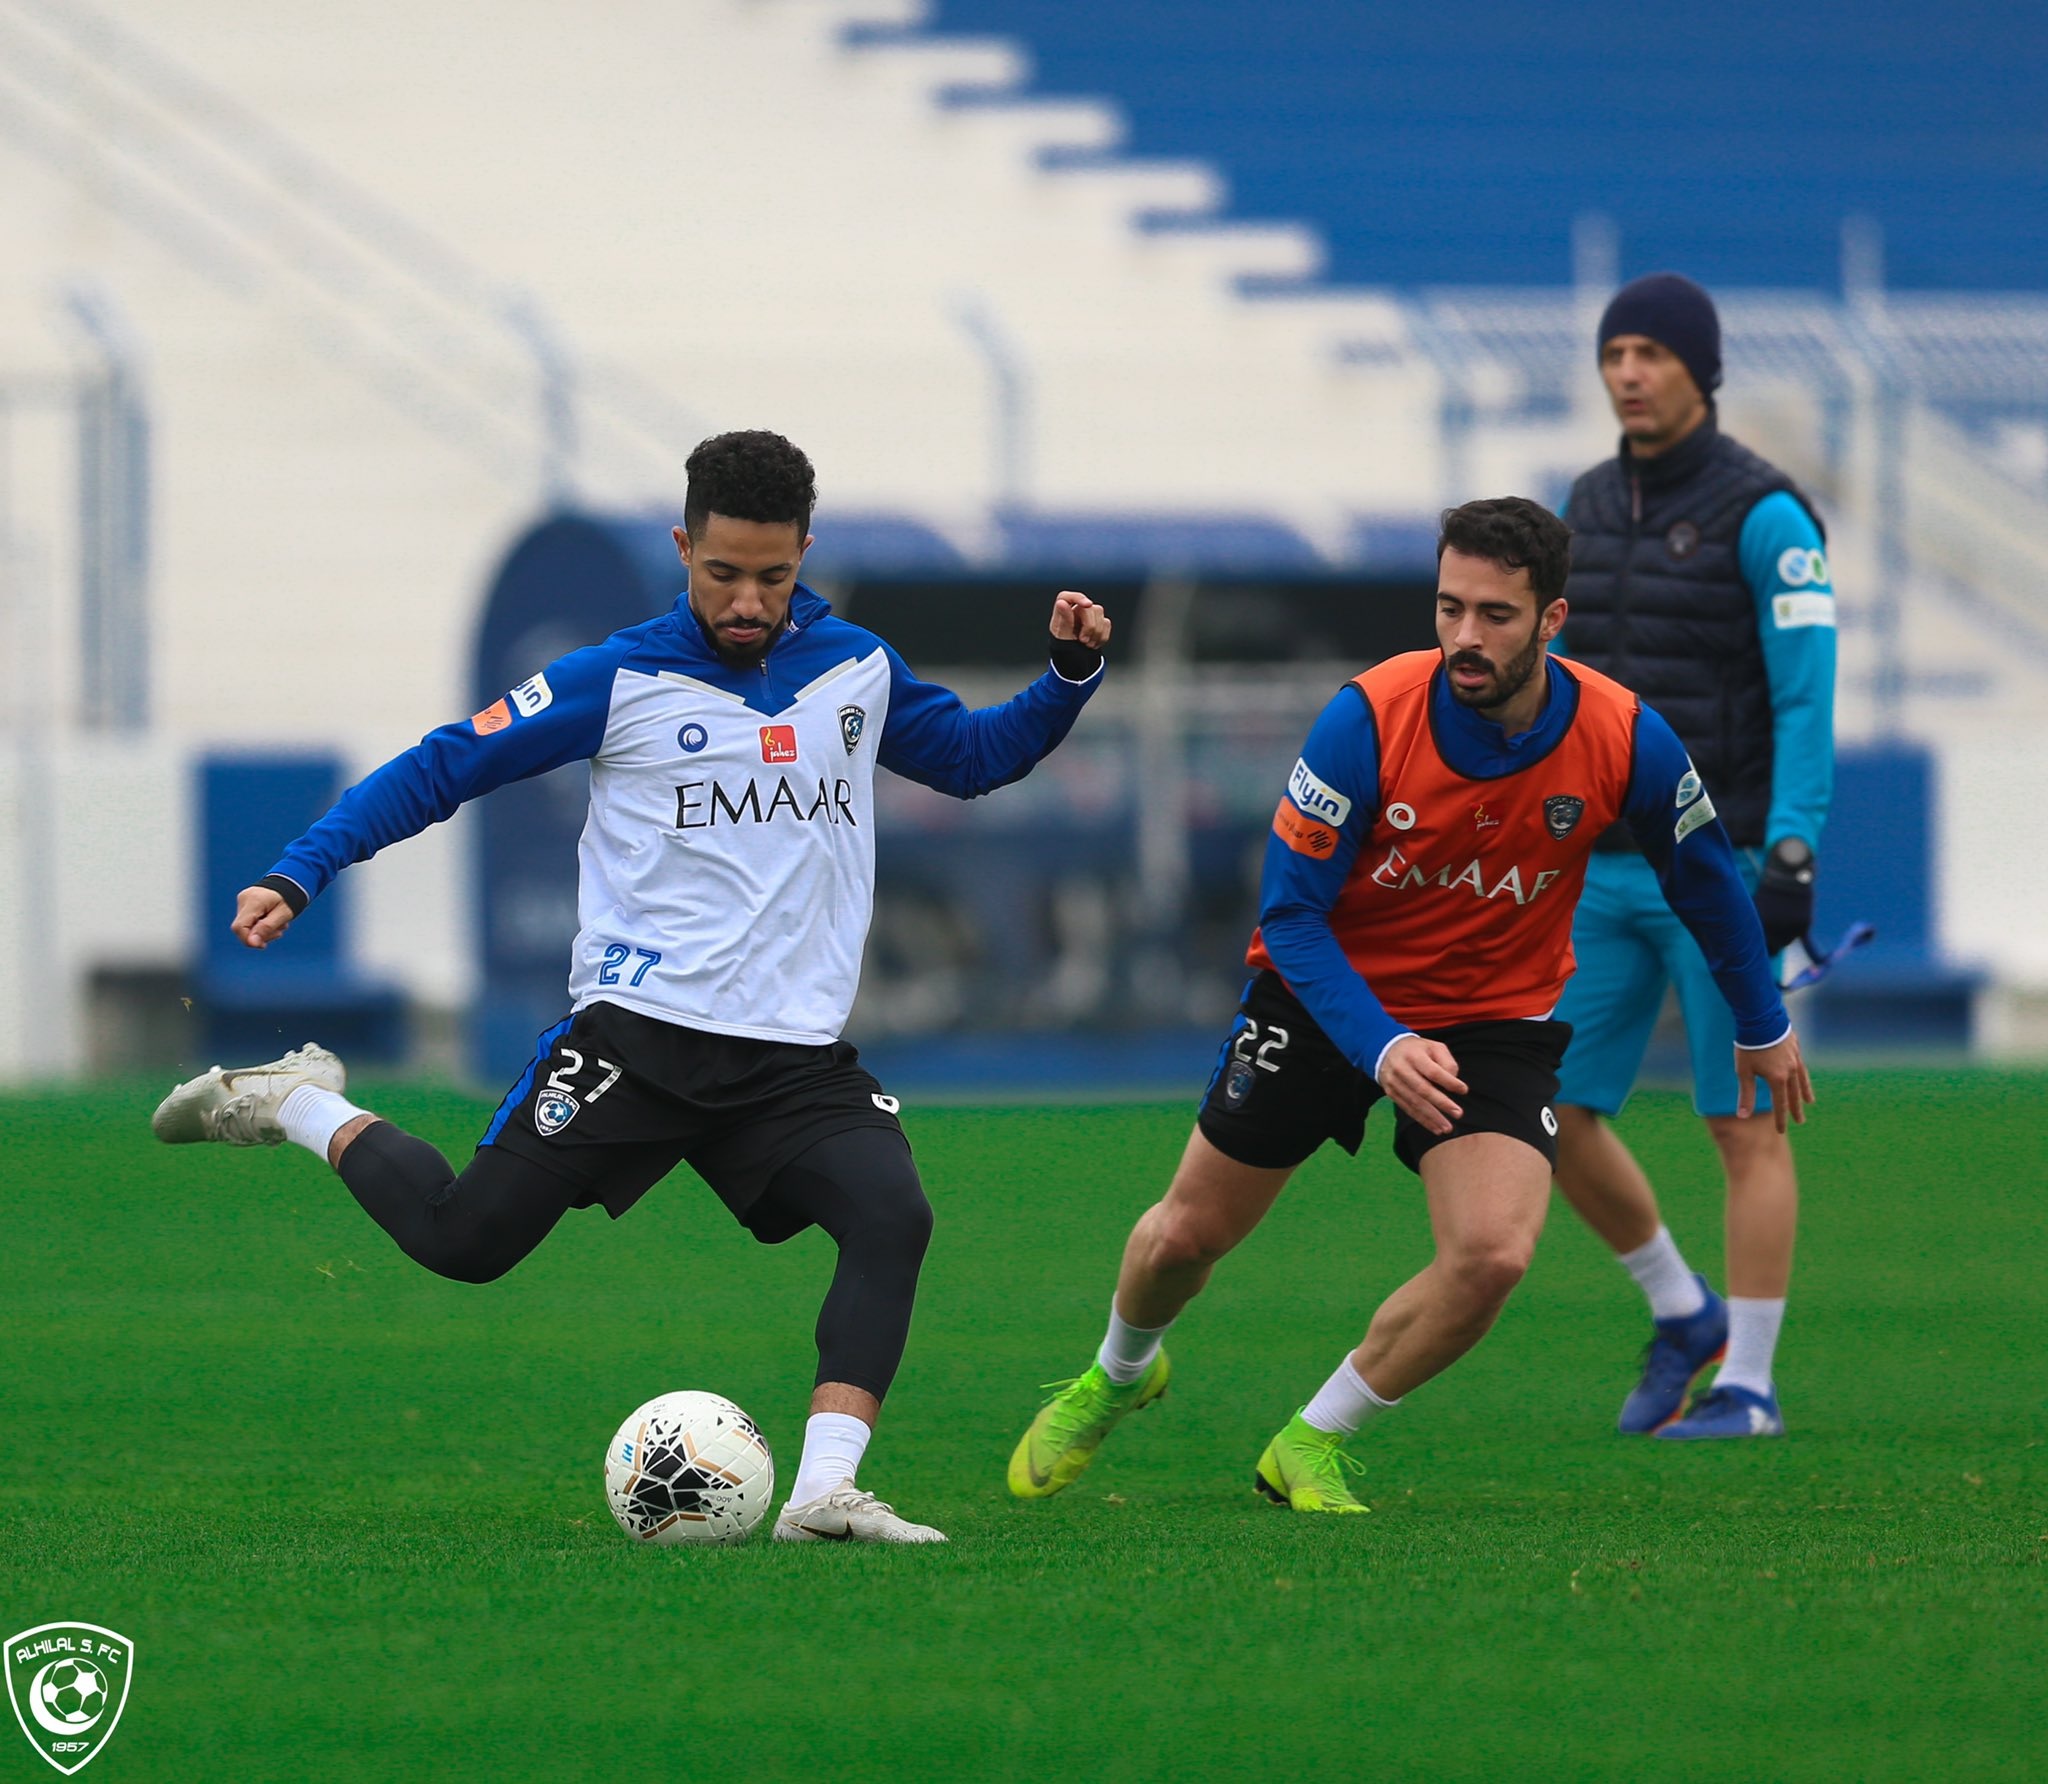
pixel 1784 895
pixel 1073 660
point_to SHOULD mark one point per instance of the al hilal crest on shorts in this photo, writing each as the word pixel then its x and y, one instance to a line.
pixel 554 1111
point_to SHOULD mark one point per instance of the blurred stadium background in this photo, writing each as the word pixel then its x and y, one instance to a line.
pixel 349 358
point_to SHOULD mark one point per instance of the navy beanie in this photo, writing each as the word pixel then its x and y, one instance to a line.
pixel 1671 309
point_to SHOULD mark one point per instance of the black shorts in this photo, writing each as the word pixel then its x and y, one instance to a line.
pixel 615 1100
pixel 1281 1088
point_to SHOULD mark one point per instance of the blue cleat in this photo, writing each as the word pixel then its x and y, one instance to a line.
pixel 1729 1412
pixel 1680 1350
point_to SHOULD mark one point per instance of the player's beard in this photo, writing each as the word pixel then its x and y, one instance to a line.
pixel 1508 680
pixel 743 656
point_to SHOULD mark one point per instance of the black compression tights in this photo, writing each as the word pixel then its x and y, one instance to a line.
pixel 861 1186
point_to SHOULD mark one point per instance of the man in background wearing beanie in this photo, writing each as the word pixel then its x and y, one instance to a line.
pixel 1699 581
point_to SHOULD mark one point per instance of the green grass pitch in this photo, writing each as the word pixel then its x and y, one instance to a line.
pixel 352 1515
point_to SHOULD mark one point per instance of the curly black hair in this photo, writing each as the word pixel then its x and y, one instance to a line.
pixel 750 475
pixel 1515 534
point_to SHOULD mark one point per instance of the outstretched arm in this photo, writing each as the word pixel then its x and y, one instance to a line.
pixel 1672 817
pixel 932 736
pixel 557 716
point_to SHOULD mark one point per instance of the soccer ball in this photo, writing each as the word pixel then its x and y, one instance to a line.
pixel 689 1467
pixel 74 1692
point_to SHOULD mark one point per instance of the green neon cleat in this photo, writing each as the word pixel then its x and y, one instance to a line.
pixel 1070 1427
pixel 1304 1469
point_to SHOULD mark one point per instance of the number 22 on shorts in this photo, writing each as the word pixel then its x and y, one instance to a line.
pixel 1275 1042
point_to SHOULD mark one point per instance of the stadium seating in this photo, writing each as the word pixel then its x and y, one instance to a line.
pixel 1456 144
pixel 1899 995
pixel 256 1005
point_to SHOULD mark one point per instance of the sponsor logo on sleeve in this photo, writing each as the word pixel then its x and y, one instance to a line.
pixel 778 743
pixel 1317 797
pixel 1302 833
pixel 1701 811
pixel 1800 568
pixel 1689 785
pixel 532 695
pixel 494 717
pixel 1790 612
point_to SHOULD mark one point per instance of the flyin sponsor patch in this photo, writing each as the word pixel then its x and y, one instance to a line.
pixel 532 695
pixel 494 717
pixel 1317 797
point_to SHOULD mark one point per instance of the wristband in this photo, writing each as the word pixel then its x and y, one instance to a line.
pixel 290 891
pixel 1074 661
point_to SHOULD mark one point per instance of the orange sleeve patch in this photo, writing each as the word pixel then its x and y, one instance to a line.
pixel 494 717
pixel 1303 834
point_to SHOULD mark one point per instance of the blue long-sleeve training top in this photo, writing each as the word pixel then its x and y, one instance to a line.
pixel 727 869
pixel 1669 814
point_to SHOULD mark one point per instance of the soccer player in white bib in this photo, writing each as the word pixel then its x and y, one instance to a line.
pixel 726 880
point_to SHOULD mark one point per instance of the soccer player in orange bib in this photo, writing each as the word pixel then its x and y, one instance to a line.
pixel 1414 936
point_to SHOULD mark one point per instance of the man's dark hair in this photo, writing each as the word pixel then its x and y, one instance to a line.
pixel 1513 533
pixel 750 475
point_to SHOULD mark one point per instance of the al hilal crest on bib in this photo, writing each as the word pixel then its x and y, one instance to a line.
pixel 68 1683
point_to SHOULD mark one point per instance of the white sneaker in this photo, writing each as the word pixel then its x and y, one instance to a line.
pixel 240 1107
pixel 846 1514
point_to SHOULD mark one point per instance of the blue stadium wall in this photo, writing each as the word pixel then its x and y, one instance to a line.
pixel 1455 143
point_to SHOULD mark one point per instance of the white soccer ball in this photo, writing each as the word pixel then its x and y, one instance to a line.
pixel 689 1467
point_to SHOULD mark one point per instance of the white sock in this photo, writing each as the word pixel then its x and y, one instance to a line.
pixel 1752 1343
pixel 1663 1275
pixel 1127 1351
pixel 834 1443
pixel 311 1117
pixel 1344 1402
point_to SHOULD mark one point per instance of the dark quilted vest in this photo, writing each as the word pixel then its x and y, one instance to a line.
pixel 1658 602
